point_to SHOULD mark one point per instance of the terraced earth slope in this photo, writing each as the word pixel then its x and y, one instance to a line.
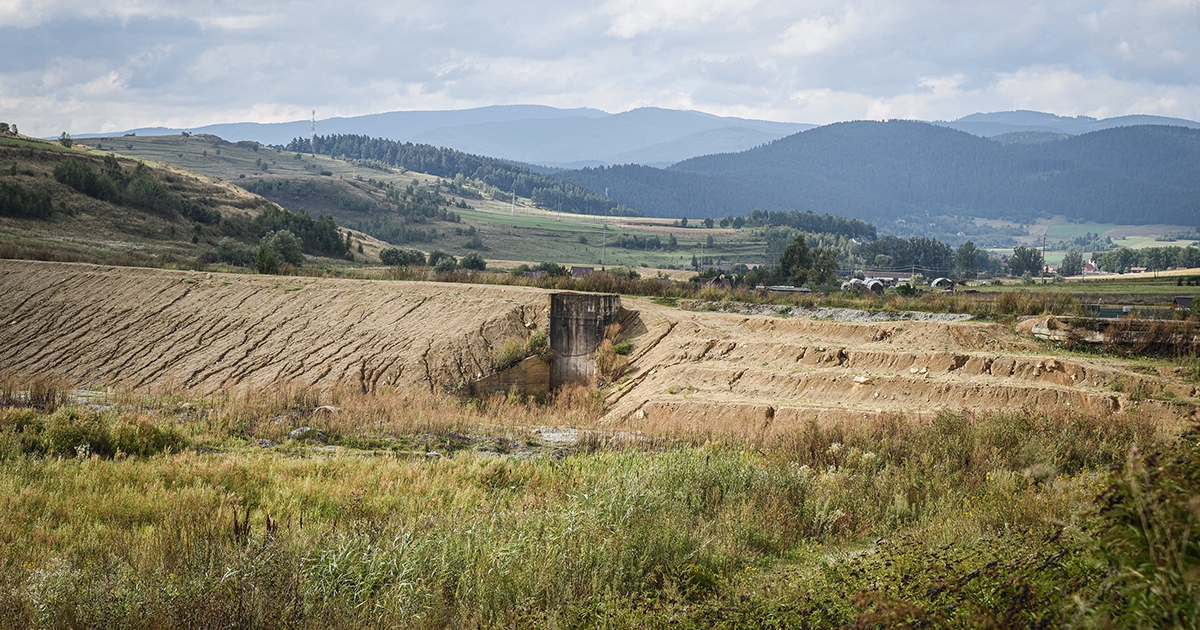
pixel 148 328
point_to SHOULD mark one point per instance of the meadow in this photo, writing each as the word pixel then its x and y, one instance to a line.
pixel 405 509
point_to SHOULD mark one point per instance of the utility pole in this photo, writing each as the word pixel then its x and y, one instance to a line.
pixel 1043 274
pixel 514 204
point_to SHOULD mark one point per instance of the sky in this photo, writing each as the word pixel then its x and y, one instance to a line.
pixel 110 65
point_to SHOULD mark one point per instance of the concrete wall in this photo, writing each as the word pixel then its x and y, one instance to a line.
pixel 531 377
pixel 577 322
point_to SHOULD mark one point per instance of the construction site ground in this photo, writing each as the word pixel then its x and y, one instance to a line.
pixel 152 329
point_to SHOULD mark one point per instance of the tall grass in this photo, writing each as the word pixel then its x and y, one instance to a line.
pixel 218 531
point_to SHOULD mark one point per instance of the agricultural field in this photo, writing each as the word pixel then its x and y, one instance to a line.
pixel 212 450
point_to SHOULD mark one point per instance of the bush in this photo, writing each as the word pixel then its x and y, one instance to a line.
pixel 508 354
pixel 266 260
pixel 76 432
pixel 610 364
pixel 436 256
pixel 473 261
pixel 71 431
pixel 445 264
pixel 393 257
pixel 82 178
pixel 232 252
pixel 1151 525
pixel 21 201
pixel 286 246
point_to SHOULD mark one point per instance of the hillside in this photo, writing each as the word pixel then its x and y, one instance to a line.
pixel 372 198
pixel 879 171
pixel 80 203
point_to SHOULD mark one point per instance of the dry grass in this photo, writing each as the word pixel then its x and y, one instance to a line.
pixel 502 530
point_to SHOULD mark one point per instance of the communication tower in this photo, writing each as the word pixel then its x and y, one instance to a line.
pixel 313 140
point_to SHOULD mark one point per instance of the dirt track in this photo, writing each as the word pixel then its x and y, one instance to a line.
pixel 150 328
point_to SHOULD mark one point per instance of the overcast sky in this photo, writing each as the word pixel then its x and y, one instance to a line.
pixel 108 65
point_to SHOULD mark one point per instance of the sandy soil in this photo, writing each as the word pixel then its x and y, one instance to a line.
pixel 147 328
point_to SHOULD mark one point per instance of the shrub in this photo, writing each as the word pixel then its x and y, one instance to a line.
pixel 446 264
pixel 266 260
pixel 401 257
pixel 232 252
pixel 436 256
pixel 610 364
pixel 144 438
pixel 71 431
pixel 508 354
pixel 1151 525
pixel 82 178
pixel 76 432
pixel 286 246
pixel 17 200
pixel 473 261
pixel 539 344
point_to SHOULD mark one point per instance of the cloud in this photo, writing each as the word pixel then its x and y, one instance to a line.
pixel 87 66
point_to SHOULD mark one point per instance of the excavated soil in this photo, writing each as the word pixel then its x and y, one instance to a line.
pixel 146 328
pixel 149 328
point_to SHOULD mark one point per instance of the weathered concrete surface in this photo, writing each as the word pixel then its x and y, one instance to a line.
pixel 530 377
pixel 577 322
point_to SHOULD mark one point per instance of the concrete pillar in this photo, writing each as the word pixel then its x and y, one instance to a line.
pixel 577 322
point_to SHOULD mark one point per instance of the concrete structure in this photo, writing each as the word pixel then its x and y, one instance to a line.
pixel 530 377
pixel 577 322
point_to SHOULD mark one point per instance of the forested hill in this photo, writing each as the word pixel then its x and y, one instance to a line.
pixel 880 170
pixel 545 191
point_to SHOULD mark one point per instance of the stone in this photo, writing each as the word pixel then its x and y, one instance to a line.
pixel 308 434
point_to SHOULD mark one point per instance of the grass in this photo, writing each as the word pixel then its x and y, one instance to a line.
pixel 961 521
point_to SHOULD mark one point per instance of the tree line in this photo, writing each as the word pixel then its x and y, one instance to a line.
pixel 1152 258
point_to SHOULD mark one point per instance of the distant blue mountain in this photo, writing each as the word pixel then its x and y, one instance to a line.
pixel 532 134
pixel 999 123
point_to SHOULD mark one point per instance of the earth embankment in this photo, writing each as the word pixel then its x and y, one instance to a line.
pixel 154 329
pixel 150 328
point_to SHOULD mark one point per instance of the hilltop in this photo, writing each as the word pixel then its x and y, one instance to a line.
pixel 83 203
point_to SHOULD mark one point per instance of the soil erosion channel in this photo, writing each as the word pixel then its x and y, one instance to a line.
pixel 149 328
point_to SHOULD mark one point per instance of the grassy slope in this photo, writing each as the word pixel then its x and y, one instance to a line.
pixel 88 229
pixel 529 234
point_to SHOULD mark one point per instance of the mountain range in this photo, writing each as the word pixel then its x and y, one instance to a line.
pixel 878 171
pixel 534 134
pixel 575 138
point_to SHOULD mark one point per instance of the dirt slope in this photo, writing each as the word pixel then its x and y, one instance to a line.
pixel 701 369
pixel 154 328
pixel 149 328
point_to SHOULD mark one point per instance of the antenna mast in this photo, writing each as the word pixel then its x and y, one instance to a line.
pixel 513 213
pixel 313 141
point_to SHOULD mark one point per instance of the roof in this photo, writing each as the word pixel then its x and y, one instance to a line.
pixel 1183 301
